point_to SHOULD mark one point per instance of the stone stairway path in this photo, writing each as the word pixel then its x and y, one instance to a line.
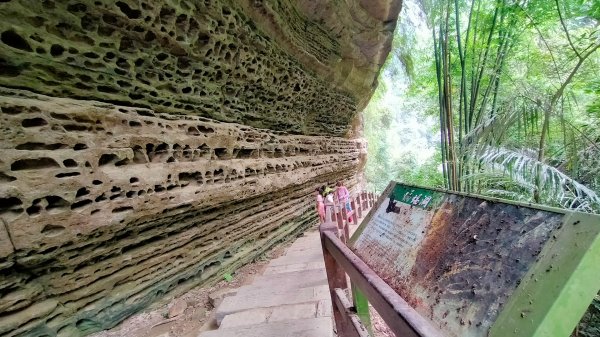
pixel 290 299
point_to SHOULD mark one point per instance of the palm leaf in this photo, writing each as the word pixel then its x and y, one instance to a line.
pixel 522 169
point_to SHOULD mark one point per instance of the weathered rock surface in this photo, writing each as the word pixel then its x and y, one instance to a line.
pixel 109 207
pixel 204 58
pixel 150 147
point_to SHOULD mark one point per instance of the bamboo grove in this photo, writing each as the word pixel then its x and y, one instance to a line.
pixel 517 85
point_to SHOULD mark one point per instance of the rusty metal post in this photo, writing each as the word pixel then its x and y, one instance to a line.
pixel 336 277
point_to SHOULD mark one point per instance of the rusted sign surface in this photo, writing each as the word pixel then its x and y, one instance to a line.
pixel 456 259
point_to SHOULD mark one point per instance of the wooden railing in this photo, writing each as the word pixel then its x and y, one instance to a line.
pixel 360 203
pixel 341 262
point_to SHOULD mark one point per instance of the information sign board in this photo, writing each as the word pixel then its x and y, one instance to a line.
pixel 478 266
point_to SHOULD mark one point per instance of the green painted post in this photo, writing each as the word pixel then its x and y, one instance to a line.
pixel 361 304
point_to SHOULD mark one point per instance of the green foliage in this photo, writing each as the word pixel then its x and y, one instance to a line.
pixel 514 88
pixel 589 326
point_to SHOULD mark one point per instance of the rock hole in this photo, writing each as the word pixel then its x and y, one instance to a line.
pixel 79 147
pixel 40 146
pixel 192 131
pixel 15 40
pixel 74 127
pixel 245 153
pixel 67 174
pixel 138 155
pixel 60 116
pixel 12 110
pixel 69 163
pixel 33 164
pixel 107 158
pixel 53 230
pixel 162 56
pixel 81 192
pixel 221 153
pixel 205 129
pixel 4 178
pixel 56 50
pixel 77 8
pixel 96 182
pixel 91 55
pixel 33 209
pixel 81 203
pixel 33 122
pixel 56 202
pixel 122 209
pixel 150 36
pixel 122 162
pixel 107 89
pixel 128 11
pixel 10 204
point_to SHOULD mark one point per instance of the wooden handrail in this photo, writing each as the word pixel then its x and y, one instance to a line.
pixel 340 261
pixel 400 317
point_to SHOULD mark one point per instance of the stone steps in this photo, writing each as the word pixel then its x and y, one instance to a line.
pixel 288 312
pixel 311 327
pixel 290 298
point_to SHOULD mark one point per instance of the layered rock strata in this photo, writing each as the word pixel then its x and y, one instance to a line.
pixel 150 147
pixel 204 58
pixel 106 207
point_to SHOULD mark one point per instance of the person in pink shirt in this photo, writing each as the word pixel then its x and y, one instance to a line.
pixel 320 205
pixel 343 196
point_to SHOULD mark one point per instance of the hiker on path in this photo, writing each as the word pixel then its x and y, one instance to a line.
pixel 320 204
pixel 329 206
pixel 343 196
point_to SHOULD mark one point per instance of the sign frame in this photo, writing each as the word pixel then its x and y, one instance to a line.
pixel 557 289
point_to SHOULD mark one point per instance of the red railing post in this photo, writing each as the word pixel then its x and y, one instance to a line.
pixel 340 224
pixel 329 212
pixel 354 212
pixel 358 205
pixel 336 277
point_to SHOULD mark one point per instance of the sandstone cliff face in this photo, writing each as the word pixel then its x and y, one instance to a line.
pixel 150 147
